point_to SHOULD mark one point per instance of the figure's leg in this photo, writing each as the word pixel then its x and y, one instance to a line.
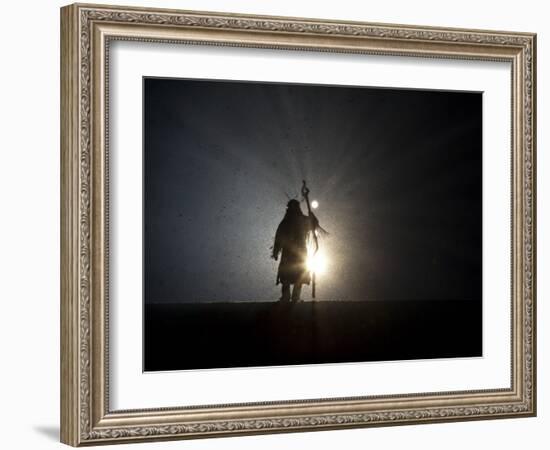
pixel 285 293
pixel 296 291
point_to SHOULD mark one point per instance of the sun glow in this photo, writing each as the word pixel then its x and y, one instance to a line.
pixel 317 263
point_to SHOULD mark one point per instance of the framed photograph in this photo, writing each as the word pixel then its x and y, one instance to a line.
pixel 273 224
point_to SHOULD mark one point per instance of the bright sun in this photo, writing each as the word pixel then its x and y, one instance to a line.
pixel 314 204
pixel 317 263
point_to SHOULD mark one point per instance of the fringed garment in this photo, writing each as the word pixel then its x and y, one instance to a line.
pixel 291 239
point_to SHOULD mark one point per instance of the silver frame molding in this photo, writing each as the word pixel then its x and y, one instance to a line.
pixel 86 32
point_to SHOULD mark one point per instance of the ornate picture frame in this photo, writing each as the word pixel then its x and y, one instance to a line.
pixel 87 31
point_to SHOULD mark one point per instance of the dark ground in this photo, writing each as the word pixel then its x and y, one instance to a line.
pixel 217 335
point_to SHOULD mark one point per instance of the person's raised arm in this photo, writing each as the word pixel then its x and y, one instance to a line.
pixel 313 221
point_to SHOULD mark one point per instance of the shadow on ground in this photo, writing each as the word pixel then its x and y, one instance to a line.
pixel 51 432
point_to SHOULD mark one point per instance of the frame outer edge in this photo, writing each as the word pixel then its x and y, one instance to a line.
pixel 81 414
pixel 533 135
pixel 535 174
pixel 69 308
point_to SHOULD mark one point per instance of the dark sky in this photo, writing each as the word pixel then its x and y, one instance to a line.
pixel 397 174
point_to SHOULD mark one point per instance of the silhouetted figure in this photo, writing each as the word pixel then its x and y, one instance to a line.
pixel 291 239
